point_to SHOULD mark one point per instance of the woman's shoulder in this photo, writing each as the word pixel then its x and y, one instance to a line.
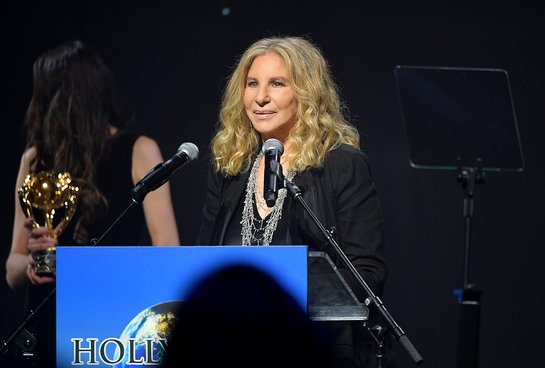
pixel 143 142
pixel 346 166
pixel 24 167
pixel 28 155
pixel 26 158
pixel 146 149
pixel 134 142
pixel 345 154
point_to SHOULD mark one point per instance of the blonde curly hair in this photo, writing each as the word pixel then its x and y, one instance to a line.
pixel 320 125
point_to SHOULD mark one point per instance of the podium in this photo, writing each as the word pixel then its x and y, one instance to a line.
pixel 110 300
pixel 329 297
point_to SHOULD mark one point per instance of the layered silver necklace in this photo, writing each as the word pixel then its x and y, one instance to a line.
pixel 250 232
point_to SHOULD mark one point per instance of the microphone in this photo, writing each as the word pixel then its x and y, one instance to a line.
pixel 272 150
pixel 161 173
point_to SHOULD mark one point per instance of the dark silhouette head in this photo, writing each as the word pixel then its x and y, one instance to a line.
pixel 240 317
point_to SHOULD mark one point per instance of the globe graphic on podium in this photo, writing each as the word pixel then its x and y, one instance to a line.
pixel 154 323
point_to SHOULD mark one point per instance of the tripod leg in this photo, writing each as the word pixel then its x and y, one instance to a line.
pixel 377 333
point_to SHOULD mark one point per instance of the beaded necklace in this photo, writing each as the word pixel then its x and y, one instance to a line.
pixel 252 225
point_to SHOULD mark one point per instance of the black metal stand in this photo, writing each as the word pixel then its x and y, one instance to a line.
pixel 20 336
pixel 95 241
pixel 398 333
pixel 446 112
pixel 377 333
pixel 470 298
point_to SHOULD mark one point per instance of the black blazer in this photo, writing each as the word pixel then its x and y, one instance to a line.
pixel 341 194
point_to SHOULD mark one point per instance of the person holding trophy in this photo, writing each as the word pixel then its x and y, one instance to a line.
pixel 76 176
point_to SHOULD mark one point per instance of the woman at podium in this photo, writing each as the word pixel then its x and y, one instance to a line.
pixel 282 88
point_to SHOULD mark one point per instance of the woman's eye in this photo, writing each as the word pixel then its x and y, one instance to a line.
pixel 277 84
pixel 252 84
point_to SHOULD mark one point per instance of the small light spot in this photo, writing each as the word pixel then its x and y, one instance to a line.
pixel 225 11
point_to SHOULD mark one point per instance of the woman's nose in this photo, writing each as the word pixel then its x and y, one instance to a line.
pixel 262 97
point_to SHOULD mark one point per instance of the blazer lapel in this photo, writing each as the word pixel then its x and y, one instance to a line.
pixel 230 198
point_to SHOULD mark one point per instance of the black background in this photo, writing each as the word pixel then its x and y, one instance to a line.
pixel 172 59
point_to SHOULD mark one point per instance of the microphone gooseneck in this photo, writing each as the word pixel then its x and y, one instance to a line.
pixel 161 173
pixel 272 150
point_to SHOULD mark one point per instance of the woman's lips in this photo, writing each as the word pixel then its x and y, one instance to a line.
pixel 265 114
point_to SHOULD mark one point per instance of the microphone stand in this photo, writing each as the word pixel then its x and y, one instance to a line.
pixel 21 336
pixel 398 333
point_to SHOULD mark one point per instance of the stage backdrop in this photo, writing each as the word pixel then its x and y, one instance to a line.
pixel 172 59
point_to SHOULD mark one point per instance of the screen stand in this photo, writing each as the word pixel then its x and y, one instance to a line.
pixel 461 119
pixel 469 298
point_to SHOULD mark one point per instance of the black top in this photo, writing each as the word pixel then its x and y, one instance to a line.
pixel 341 194
pixel 285 233
pixel 114 180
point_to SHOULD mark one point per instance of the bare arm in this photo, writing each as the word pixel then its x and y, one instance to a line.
pixel 158 209
pixel 25 239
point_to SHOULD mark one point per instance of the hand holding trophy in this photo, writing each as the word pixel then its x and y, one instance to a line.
pixel 53 199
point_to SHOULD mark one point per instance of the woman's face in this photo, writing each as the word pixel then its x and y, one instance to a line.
pixel 269 98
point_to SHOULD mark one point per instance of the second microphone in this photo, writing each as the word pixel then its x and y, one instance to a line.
pixel 161 173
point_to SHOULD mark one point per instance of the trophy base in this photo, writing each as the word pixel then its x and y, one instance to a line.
pixel 45 263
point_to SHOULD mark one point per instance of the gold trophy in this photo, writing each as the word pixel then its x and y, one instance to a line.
pixel 50 194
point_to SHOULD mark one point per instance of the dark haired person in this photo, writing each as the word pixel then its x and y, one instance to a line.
pixel 76 124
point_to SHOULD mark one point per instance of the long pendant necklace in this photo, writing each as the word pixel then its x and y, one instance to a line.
pixel 250 232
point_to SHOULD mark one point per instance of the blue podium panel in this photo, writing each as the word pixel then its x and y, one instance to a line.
pixel 106 296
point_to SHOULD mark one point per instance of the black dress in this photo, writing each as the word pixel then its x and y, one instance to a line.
pixel 115 182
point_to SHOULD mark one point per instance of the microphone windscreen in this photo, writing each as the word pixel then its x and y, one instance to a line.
pixel 273 143
pixel 191 150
